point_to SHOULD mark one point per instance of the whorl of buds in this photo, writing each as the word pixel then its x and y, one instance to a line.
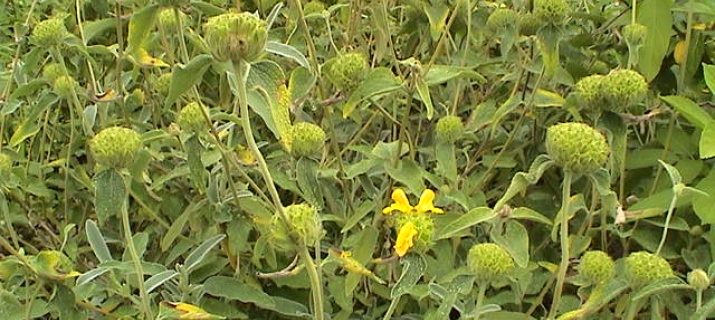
pixel 699 279
pixel 576 147
pixel 50 32
pixel 596 267
pixel 624 88
pixel 346 71
pixel 64 86
pixel 236 36
pixel 450 128
pixel 552 12
pixel 424 225
pixel 500 19
pixel 489 262
pixel 528 24
pixel 305 225
pixel 635 34
pixel 306 139
pixel 642 268
pixel 115 147
pixel 52 71
pixel 191 118
pixel 590 93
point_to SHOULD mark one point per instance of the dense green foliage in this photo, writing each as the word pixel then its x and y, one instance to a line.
pixel 357 159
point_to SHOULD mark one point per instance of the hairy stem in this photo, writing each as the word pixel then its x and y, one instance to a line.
pixel 561 276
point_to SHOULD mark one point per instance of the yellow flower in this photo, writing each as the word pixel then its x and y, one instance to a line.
pixel 404 238
pixel 402 204
pixel 180 310
pixel 426 205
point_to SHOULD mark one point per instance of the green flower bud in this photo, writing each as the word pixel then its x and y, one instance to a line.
pixel 489 262
pixel 53 71
pixel 699 279
pixel 50 32
pixel 624 88
pixel 346 71
pixel 634 34
pixel 305 224
pixel 552 12
pixel 65 87
pixel 576 147
pixel 191 118
pixel 500 19
pixel 590 92
pixel 306 139
pixel 643 268
pixel 424 225
pixel 450 128
pixel 596 267
pixel 236 36
pixel 168 20
pixel 163 84
pixel 528 24
pixel 115 147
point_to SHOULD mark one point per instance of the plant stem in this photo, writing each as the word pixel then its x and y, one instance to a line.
pixel 240 74
pixel 565 254
pixel 633 307
pixel 146 307
pixel 667 221
pixel 480 299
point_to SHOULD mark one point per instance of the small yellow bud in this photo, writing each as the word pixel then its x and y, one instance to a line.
pixel 699 279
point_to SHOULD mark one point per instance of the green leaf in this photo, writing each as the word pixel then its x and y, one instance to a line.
pixel 300 83
pixel 140 26
pixel 407 173
pixel 437 15
pixel 362 252
pixel 358 214
pixel 446 161
pixel 707 141
pixel 656 16
pixel 379 81
pixel 10 307
pixel 529 214
pixel 469 219
pixel 675 177
pixel 196 256
pixel 29 126
pixel 543 98
pixel 522 180
pixel 97 242
pixel 287 51
pixel 690 110
pixel 158 279
pixel 413 267
pixel 96 27
pixel 194 149
pixel 515 240
pixel 110 193
pixel 53 265
pixel 306 171
pixel 709 73
pixel 176 227
pixel 438 74
pixel 704 206
pixel 185 77
pixel 504 109
pixel 662 285
pixel 263 94
pixel 232 289
pixel 91 275
pixel 424 94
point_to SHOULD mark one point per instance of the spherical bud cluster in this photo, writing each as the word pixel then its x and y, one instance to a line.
pixel 489 261
pixel 644 268
pixel 53 71
pixel 623 88
pixel 699 279
pixel 163 84
pixel 552 12
pixel 424 225
pixel 576 147
pixel 346 71
pixel 64 86
pixel 306 139
pixel 236 36
pixel 305 225
pixel 450 128
pixel 596 267
pixel 168 20
pixel 313 7
pixel 528 24
pixel 50 32
pixel 635 34
pixel 590 93
pixel 115 147
pixel 191 118
pixel 500 19
pixel 5 165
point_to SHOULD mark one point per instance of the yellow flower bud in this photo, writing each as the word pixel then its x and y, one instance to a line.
pixel 699 279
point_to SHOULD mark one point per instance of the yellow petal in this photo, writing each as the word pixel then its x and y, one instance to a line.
pixel 405 238
pixel 680 52
pixel 143 58
pixel 426 205
pixel 182 310
pixel 401 203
